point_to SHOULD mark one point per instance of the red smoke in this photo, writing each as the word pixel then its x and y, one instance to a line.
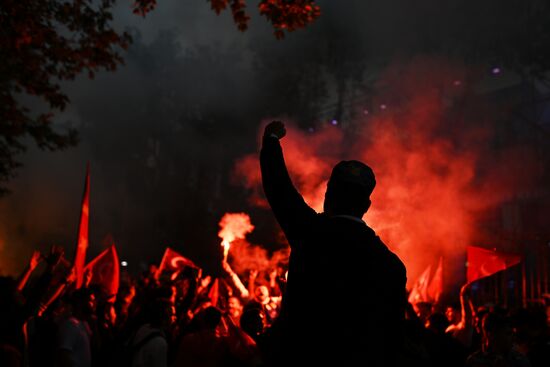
pixel 428 140
pixel 233 226
pixel 244 255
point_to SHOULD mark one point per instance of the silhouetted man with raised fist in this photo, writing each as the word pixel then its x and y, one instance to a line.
pixel 335 255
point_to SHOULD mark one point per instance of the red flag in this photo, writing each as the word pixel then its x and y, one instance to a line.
pixel 173 261
pixel 435 288
pixel 105 271
pixel 214 292
pixel 419 290
pixel 82 243
pixel 482 262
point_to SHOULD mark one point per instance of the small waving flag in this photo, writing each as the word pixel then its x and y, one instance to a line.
pixel 483 263
pixel 105 271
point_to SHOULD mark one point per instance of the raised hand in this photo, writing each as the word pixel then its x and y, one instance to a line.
pixel 36 258
pixel 227 267
pixel 275 129
pixel 55 255
pixel 87 278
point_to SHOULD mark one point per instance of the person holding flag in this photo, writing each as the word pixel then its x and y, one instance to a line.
pixel 367 328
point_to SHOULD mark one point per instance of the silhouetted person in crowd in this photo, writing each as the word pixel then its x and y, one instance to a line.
pixel 443 348
pixel 463 327
pixel 253 322
pixel 74 344
pixel 204 347
pixel 497 345
pixel 11 323
pixel 235 309
pixel 532 335
pixel 350 259
pixel 150 344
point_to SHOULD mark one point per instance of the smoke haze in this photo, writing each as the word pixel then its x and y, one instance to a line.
pixel 172 135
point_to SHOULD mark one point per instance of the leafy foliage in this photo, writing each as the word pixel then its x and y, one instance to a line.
pixel 42 43
pixel 284 15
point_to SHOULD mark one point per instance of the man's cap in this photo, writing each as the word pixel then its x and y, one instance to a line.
pixel 353 172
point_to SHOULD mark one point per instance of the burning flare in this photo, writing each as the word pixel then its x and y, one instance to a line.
pixel 233 226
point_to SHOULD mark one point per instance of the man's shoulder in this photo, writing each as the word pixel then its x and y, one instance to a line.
pixel 477 358
pixel 150 334
pixel 392 263
pixel 70 324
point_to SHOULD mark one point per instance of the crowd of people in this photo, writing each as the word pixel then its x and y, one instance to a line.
pixel 189 319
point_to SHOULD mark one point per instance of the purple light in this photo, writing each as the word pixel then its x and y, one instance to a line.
pixel 311 129
pixel 365 112
pixel 383 106
pixel 457 83
pixel 334 122
pixel 496 70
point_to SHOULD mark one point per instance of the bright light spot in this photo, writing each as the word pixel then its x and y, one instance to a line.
pixel 365 112
pixel 334 122
pixel 383 106
pixel 457 83
pixel 496 70
pixel 123 263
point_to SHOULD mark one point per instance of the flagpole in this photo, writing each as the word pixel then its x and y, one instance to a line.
pixel 523 284
pixel 545 261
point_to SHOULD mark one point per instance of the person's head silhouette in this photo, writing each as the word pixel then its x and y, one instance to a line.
pixel 349 188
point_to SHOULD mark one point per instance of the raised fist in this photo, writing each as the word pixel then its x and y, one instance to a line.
pixel 276 129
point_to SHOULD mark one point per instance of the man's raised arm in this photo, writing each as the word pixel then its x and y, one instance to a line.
pixel 290 209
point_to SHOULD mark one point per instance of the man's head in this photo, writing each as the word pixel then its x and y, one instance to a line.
pixel 152 269
pixel 261 294
pixel 160 313
pixel 437 323
pixel 235 306
pixel 209 318
pixel 253 322
pixel 453 314
pixel 83 303
pixel 497 334
pixel 349 189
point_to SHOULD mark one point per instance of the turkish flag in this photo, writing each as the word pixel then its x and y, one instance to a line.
pixel 483 263
pixel 436 285
pixel 172 261
pixel 82 242
pixel 420 288
pixel 106 271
